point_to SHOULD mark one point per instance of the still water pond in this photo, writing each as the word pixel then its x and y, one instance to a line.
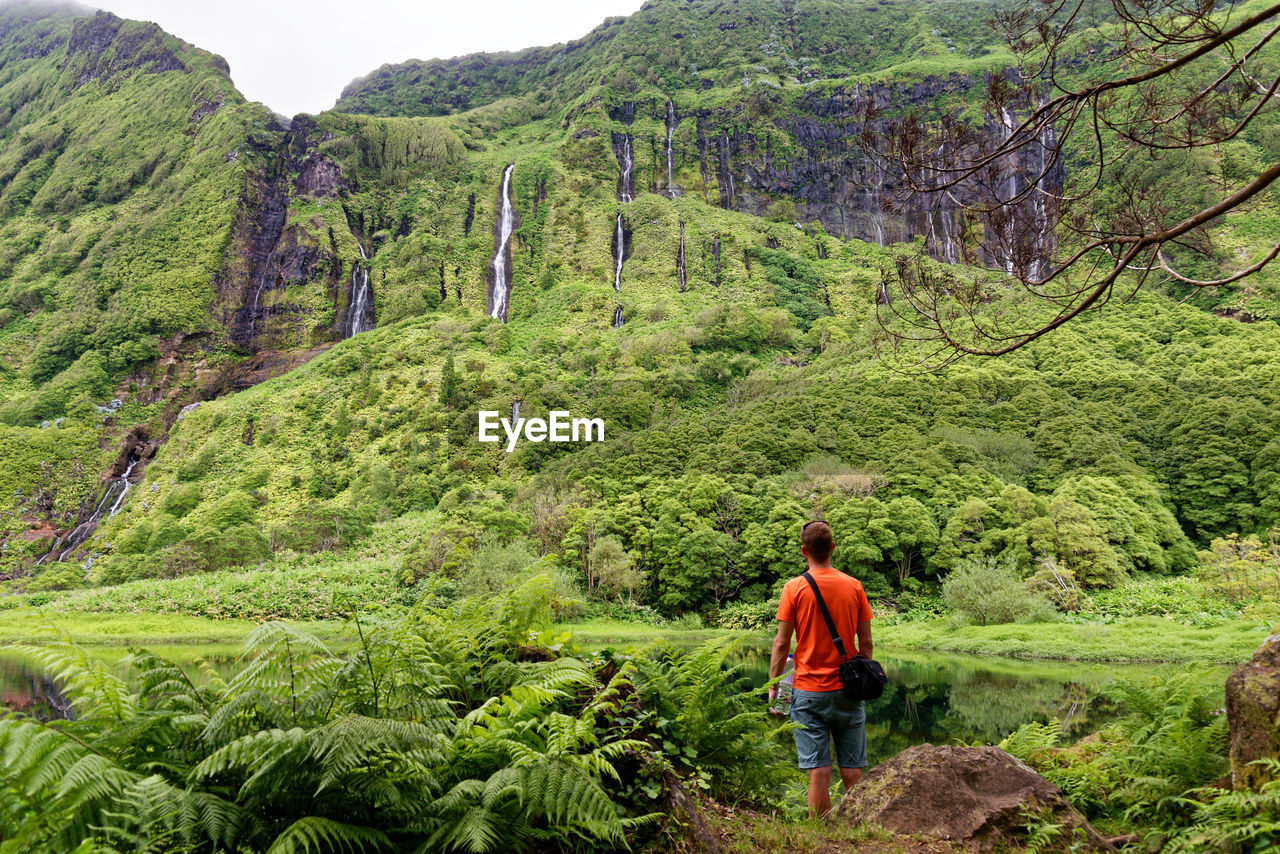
pixel 940 699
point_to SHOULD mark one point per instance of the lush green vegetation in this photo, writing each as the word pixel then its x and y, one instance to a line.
pixel 1159 770
pixel 458 729
pixel 1110 493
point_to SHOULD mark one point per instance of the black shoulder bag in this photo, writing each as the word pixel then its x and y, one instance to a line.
pixel 862 678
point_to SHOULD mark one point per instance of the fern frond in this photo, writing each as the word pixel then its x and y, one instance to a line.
pixel 317 834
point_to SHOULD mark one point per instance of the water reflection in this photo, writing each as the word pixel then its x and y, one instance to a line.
pixel 944 699
pixel 26 687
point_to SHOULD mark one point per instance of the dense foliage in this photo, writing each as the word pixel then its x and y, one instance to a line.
pixel 459 729
pixel 1160 770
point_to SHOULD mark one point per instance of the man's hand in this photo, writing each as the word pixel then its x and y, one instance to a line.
pixel 778 658
pixel 773 696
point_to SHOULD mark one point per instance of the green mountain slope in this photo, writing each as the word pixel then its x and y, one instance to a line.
pixel 693 259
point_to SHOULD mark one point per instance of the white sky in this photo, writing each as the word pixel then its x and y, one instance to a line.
pixel 296 56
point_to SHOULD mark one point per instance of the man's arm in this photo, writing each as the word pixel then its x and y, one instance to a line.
pixel 781 647
pixel 864 639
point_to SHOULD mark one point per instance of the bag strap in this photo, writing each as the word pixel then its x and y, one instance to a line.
pixel 826 615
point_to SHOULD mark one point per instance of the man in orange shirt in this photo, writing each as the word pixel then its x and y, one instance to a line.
pixel 817 702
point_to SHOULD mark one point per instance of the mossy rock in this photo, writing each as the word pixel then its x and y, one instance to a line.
pixel 1253 713
pixel 979 798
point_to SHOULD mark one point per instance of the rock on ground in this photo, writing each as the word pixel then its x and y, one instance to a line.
pixel 1253 713
pixel 979 797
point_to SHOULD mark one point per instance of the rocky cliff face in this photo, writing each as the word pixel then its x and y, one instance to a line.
pixel 828 172
pixel 274 257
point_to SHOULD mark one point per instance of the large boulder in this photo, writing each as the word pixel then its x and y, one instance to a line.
pixel 980 798
pixel 1253 713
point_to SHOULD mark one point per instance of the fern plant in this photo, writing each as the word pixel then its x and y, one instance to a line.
pixel 1245 820
pixel 445 730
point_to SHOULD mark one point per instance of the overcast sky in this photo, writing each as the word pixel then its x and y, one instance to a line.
pixel 296 56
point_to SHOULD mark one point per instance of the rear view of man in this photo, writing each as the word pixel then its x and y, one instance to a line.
pixel 817 703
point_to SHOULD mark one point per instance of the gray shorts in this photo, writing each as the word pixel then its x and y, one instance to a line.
pixel 825 716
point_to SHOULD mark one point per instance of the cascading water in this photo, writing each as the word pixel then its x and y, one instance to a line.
pixel 940 225
pixel 726 171
pixel 1011 192
pixel 506 223
pixel 625 161
pixel 1046 142
pixel 515 411
pixel 680 263
pixel 619 252
pixel 270 226
pixel 360 311
pixel 671 128
pixel 190 407
pixel 617 318
pixel 877 207
pixel 112 497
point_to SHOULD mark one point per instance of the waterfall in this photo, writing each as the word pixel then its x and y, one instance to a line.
pixel 506 222
pixel 944 240
pixel 620 241
pixel 112 497
pixel 617 318
pixel 269 227
pixel 515 411
pixel 1046 141
pixel 671 127
pixel 1011 191
pixel 625 160
pixel 360 308
pixel 950 251
pixel 876 205
pixel 680 263
pixel 726 169
pixel 190 407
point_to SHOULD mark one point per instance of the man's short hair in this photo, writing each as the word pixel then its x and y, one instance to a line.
pixel 817 540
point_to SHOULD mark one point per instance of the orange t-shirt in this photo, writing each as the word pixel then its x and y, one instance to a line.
pixel 817 662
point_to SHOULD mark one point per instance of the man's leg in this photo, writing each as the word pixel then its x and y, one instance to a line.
pixel 850 777
pixel 850 735
pixel 820 791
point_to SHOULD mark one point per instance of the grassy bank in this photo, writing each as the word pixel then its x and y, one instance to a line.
pixel 1133 639
pixel 31 625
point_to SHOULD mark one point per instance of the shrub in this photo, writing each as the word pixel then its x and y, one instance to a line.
pixel 989 592
pixel 747 616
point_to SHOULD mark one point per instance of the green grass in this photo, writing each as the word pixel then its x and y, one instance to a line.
pixel 1134 639
pixel 612 632
pixel 34 625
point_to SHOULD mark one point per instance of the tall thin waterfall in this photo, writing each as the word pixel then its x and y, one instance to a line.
pixel 671 128
pixel 877 208
pixel 727 191
pixel 1046 142
pixel 506 223
pixel 619 255
pixel 360 311
pixel 1011 191
pixel 626 161
pixel 680 263
pixel 620 248
pixel 108 505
